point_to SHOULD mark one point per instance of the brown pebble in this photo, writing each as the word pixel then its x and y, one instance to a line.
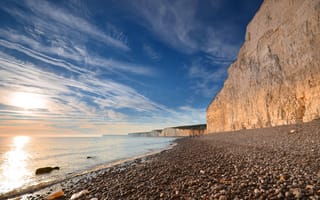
pixel 161 194
pixel 222 197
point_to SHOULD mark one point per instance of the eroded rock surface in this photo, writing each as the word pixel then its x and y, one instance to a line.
pixel 276 78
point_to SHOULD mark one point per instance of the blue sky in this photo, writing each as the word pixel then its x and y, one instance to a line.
pixel 113 67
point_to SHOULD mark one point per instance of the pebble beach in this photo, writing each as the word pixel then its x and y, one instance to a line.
pixel 271 163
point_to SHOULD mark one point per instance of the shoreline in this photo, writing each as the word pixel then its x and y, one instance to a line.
pixel 271 163
pixel 49 185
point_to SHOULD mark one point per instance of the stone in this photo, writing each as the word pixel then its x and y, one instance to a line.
pixel 55 195
pixel 79 194
pixel 280 195
pixel 282 178
pixel 276 77
pixel 292 131
pixel 45 170
pixel 297 193
pixel 310 188
pixel 287 194
pixel 223 197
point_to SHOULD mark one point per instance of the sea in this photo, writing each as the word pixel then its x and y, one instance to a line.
pixel 22 155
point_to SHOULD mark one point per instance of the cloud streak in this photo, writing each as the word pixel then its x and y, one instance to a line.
pixel 177 24
pixel 80 55
pixel 69 91
pixel 82 98
pixel 50 19
pixel 207 81
pixel 151 53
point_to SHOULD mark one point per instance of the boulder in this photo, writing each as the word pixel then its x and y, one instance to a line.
pixel 45 170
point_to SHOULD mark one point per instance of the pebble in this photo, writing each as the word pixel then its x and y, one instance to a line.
pixel 282 178
pixel 310 188
pixel 161 194
pixel 280 195
pixel 292 131
pixel 287 194
pixel 222 197
pixel 297 193
pixel 55 195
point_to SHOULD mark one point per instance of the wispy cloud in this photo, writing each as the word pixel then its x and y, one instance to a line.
pixel 52 20
pixel 85 97
pixel 177 24
pixel 151 52
pixel 47 19
pixel 72 92
pixel 78 54
pixel 193 115
pixel 172 21
pixel 207 77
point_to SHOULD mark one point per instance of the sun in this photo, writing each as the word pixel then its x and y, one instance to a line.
pixel 27 100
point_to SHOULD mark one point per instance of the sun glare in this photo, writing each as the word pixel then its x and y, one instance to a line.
pixel 27 100
pixel 20 141
pixel 14 165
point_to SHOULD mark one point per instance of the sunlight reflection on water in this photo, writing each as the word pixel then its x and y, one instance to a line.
pixel 14 165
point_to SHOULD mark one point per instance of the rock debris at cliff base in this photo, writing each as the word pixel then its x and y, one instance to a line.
pixel 271 163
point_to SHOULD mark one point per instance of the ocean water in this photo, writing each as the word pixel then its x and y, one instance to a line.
pixel 20 156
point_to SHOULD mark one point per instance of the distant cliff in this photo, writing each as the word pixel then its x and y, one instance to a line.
pixel 195 130
pixel 276 77
pixel 179 131
pixel 153 133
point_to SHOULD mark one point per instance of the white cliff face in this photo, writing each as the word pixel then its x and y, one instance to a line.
pixel 276 78
pixel 178 132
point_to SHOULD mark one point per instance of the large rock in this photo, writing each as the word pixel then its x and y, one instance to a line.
pixel 45 170
pixel 276 78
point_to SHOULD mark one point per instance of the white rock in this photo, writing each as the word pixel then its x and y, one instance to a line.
pixel 79 194
pixel 292 131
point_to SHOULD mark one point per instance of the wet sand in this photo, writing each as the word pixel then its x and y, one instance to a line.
pixel 272 163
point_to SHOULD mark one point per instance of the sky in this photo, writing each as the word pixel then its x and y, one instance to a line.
pixel 88 68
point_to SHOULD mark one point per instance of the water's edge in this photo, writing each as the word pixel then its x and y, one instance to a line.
pixel 117 163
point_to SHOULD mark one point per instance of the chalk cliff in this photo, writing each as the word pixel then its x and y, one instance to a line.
pixel 179 131
pixel 183 131
pixel 153 133
pixel 276 77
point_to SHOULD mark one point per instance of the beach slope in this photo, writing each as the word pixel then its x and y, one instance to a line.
pixel 273 163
